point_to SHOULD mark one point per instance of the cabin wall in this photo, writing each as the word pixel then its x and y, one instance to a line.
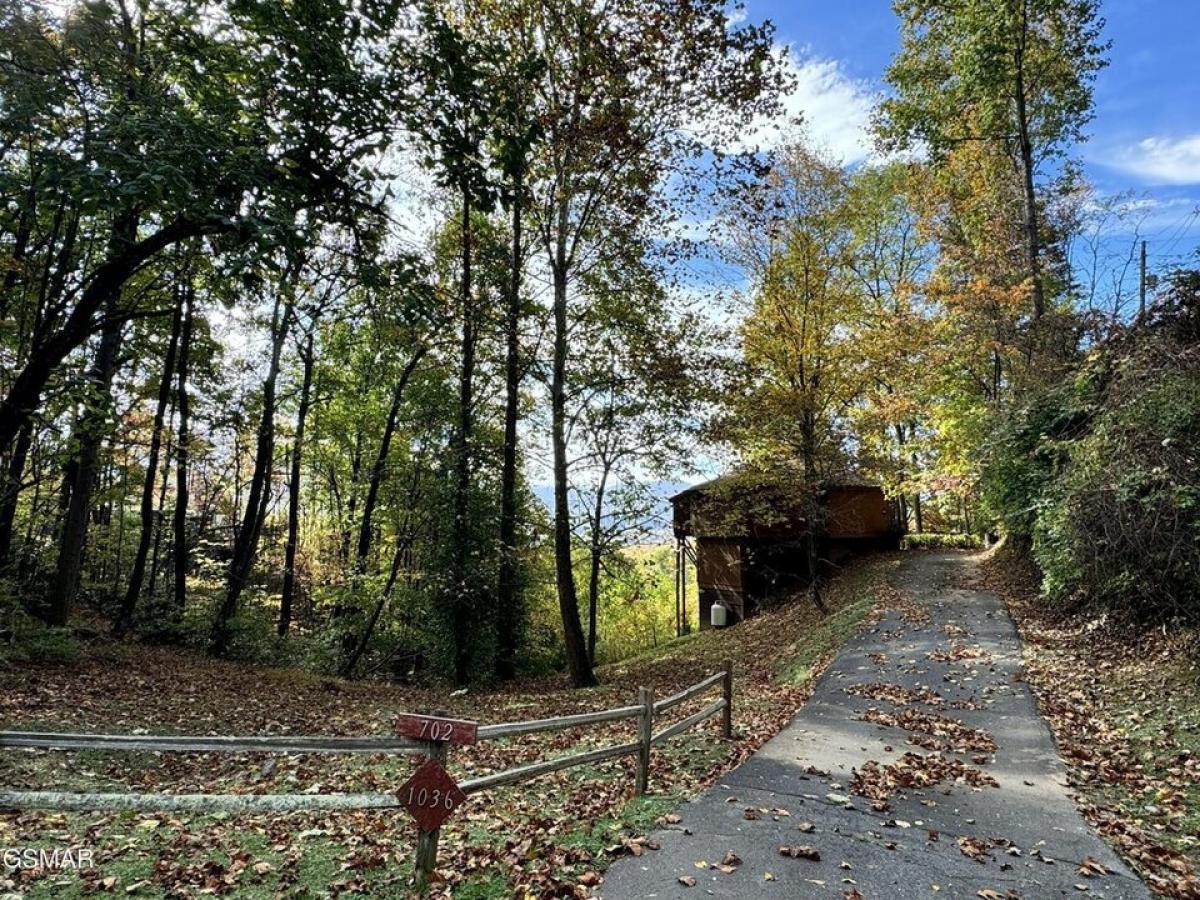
pixel 720 577
pixel 857 513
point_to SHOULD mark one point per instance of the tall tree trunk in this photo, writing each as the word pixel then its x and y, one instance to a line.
pixel 461 592
pixel 917 498
pixel 902 440
pixel 293 535
pixel 10 490
pixel 24 563
pixel 568 601
pixel 118 563
pixel 355 472
pixel 812 485
pixel 379 470
pixel 595 554
pixel 246 544
pixel 159 517
pixel 14 470
pixel 1032 241
pixel 168 452
pixel 138 572
pixel 351 663
pixel 89 435
pixel 508 599
pixel 180 556
pixel 351 645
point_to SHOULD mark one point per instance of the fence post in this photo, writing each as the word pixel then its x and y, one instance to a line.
pixel 727 712
pixel 645 734
pixel 427 841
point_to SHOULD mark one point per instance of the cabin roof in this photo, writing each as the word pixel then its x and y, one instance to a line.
pixel 730 479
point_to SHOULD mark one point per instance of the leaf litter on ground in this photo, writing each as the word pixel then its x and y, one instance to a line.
pixel 550 837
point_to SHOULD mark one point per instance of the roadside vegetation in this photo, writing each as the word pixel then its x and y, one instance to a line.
pixel 1096 485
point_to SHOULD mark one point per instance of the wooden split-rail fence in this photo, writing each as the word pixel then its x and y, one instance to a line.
pixel 644 711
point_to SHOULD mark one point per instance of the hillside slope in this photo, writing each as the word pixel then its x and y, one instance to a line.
pixel 545 838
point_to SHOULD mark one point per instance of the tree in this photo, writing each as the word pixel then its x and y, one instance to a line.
pixel 245 547
pixel 622 83
pixel 803 367
pixel 515 76
pixel 314 310
pixel 451 119
pixel 634 417
pixel 182 449
pixel 890 260
pixel 146 513
pixel 189 128
pixel 1014 73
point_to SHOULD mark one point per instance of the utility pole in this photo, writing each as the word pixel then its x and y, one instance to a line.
pixel 1142 286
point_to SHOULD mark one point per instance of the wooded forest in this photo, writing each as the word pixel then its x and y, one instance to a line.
pixel 302 302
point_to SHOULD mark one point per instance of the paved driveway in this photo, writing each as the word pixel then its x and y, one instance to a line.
pixel 958 655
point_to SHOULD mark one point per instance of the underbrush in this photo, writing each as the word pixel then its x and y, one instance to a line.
pixel 940 541
pixel 24 639
pixel 254 638
pixel 1099 473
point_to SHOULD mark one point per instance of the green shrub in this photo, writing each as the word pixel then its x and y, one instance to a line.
pixel 941 541
pixel 25 639
pixel 1120 524
pixel 1100 475
pixel 1027 449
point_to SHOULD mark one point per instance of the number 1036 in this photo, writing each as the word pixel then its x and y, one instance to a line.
pixel 430 798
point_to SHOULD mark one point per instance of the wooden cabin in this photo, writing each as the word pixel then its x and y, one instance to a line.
pixel 748 537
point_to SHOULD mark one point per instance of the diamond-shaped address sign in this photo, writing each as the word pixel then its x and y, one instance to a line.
pixel 431 795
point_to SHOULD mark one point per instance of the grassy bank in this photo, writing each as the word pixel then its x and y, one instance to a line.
pixel 552 837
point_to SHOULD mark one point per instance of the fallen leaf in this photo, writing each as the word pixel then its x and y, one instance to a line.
pixel 800 851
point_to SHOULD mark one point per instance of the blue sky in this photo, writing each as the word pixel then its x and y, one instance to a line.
pixel 1145 137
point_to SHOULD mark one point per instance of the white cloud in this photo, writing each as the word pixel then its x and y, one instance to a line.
pixel 835 108
pixel 1162 160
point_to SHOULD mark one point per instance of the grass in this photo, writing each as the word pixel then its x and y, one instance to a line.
pixel 827 638
pixel 1155 708
pixel 638 815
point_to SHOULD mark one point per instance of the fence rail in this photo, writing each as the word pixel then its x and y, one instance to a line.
pixel 196 803
pixel 209 743
pixel 560 723
pixel 644 712
pixel 688 693
pixel 690 722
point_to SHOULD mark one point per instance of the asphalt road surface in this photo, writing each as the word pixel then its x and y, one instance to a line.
pixel 962 836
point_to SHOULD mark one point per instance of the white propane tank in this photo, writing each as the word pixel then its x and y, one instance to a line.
pixel 718 615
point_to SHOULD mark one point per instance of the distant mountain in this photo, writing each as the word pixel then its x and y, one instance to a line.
pixel 659 521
